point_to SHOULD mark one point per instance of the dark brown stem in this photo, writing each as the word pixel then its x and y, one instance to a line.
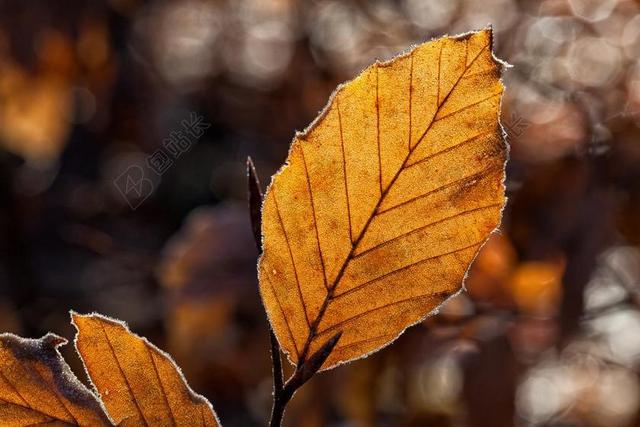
pixel 302 374
pixel 255 207
pixel 276 362
pixel 280 401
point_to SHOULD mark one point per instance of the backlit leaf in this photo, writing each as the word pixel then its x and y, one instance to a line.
pixel 385 200
pixel 138 383
pixel 37 387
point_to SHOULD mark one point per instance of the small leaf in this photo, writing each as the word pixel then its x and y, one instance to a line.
pixel 37 386
pixel 138 383
pixel 385 200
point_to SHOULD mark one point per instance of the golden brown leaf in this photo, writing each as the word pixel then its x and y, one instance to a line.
pixel 138 383
pixel 385 199
pixel 37 386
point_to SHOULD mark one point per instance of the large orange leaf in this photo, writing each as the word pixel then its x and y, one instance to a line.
pixel 385 200
pixel 37 386
pixel 139 384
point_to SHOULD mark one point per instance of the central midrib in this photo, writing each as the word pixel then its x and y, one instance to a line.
pixel 330 291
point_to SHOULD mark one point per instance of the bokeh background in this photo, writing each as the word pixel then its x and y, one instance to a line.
pixel 549 331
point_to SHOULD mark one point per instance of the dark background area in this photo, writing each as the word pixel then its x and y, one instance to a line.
pixel 548 333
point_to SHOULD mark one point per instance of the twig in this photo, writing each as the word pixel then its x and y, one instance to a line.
pixel 255 206
pixel 303 373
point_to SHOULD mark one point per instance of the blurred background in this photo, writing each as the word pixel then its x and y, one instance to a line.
pixel 100 211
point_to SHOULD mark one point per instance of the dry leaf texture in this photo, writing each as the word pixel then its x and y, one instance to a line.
pixel 385 199
pixel 37 387
pixel 139 384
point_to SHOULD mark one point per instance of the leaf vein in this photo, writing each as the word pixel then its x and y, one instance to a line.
pixel 449 149
pixel 466 107
pixel 445 99
pixel 439 74
pixel 164 392
pixel 51 418
pixel 40 423
pixel 423 227
pixel 378 127
pixel 124 376
pixel 344 169
pixel 365 341
pixel 382 307
pixel 410 97
pixel 315 218
pixel 58 398
pixel 286 322
pixel 403 268
pixel 13 386
pixel 471 177
pixel 295 271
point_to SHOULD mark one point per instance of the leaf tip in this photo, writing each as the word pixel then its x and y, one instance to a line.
pixel 77 319
pixel 54 341
pixel 80 320
pixel 73 315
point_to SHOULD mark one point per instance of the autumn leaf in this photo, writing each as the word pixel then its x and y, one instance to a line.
pixel 138 383
pixel 385 200
pixel 37 386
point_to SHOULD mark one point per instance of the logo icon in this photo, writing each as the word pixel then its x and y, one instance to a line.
pixel 136 183
pixel 134 186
